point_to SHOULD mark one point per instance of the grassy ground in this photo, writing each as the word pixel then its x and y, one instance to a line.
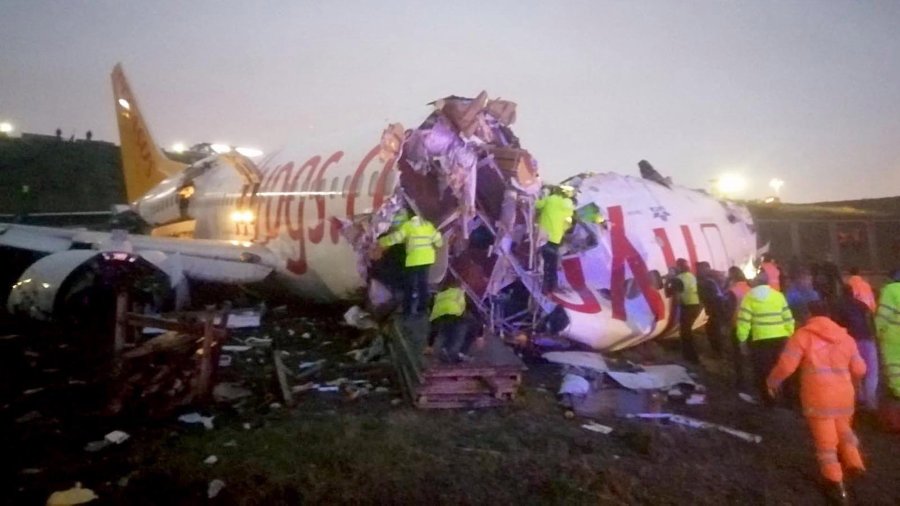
pixel 329 450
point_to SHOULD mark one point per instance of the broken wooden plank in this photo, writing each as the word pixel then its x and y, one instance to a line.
pixel 281 373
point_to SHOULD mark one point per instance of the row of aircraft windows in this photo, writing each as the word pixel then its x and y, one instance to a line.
pixel 333 189
pixel 336 187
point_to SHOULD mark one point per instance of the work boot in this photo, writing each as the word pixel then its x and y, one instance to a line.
pixel 837 494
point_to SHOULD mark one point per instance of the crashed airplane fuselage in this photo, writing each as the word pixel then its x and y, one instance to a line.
pixel 312 222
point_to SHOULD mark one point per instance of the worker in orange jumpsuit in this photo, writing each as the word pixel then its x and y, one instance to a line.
pixel 861 288
pixel 829 364
pixel 773 273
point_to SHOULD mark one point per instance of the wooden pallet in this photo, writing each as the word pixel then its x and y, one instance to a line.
pixel 491 379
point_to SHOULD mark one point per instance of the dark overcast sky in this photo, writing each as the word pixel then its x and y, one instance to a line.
pixel 808 91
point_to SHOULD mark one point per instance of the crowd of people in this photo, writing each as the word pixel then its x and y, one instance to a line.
pixel 828 328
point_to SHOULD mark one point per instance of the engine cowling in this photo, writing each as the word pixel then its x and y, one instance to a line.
pixel 67 283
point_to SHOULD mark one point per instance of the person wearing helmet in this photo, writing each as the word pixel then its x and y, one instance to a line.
pixel 555 213
pixel 420 239
pixel 766 321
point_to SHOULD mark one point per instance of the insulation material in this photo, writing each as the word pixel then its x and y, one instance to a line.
pixel 464 170
pixel 653 377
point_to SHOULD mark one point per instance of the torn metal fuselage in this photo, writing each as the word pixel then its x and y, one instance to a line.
pixel 464 170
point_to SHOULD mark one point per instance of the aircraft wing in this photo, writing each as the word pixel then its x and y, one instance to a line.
pixel 201 259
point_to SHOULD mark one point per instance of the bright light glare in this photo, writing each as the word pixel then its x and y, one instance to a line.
pixel 220 148
pixel 730 184
pixel 249 152
pixel 749 269
pixel 776 185
pixel 245 216
pixel 6 127
pixel 124 103
pixel 179 147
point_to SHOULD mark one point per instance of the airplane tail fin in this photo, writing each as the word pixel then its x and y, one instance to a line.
pixel 144 164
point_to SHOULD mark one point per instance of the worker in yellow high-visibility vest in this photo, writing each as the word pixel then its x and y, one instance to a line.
pixel 887 326
pixel 451 323
pixel 420 239
pixel 767 322
pixel 688 296
pixel 555 212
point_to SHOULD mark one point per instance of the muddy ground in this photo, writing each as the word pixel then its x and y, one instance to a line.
pixel 330 450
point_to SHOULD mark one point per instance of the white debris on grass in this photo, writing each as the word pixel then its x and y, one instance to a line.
pixel 229 392
pixel 586 359
pixel 236 348
pixel 358 318
pixel 212 459
pixel 574 385
pixel 700 424
pixel 696 399
pixel 653 377
pixel 596 427
pixel 195 417
pixel 117 437
pixel 215 486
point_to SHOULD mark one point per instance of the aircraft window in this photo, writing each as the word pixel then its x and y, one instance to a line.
pixel 346 187
pixel 389 181
pixel 656 279
pixel 632 289
pixel 355 187
pixel 334 186
pixel 372 182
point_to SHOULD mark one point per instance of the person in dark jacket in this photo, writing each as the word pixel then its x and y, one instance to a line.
pixel 854 315
pixel 714 302
pixel 799 294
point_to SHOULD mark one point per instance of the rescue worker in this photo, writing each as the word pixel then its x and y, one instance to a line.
pixel 555 213
pixel 420 239
pixel 861 289
pixel 685 287
pixel 388 265
pixel 829 364
pixel 887 325
pixel 799 294
pixel 773 273
pixel 854 315
pixel 738 287
pixel 713 300
pixel 448 318
pixel 766 321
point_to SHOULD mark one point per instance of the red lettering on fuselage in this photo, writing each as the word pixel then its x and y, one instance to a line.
pixel 575 276
pixel 282 201
pixel 624 252
pixel 317 232
pixel 691 247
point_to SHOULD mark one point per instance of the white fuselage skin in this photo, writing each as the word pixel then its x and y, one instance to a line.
pixel 604 290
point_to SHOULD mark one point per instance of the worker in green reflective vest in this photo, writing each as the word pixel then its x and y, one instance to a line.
pixel 554 217
pixel 887 325
pixel 688 297
pixel 420 239
pixel 767 322
pixel 451 323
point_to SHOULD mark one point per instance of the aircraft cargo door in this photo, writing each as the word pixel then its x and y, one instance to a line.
pixel 718 256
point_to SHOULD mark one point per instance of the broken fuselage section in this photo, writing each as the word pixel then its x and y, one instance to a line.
pixel 464 170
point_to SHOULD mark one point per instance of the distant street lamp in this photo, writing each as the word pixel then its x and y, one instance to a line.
pixel 6 127
pixel 729 185
pixel 776 184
